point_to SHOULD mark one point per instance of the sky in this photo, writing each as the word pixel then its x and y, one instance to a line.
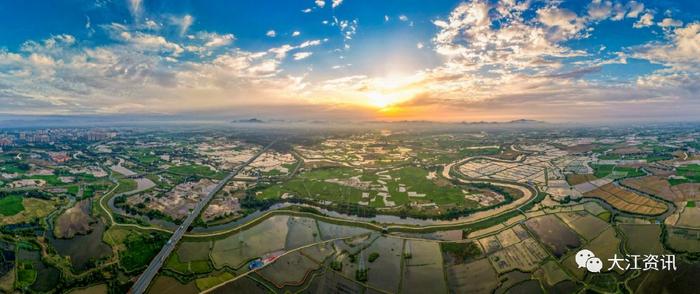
pixel 346 60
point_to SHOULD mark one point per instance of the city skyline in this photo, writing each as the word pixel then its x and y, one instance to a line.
pixel 340 60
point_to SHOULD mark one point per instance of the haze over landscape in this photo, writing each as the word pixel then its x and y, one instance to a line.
pixel 341 60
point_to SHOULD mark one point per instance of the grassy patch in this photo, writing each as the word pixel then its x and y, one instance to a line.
pixel 461 251
pixel 690 203
pixel 186 268
pixel 140 250
pixel 11 205
pixel 26 274
pixel 415 179
pixel 199 170
pixel 33 208
pixel 605 216
pixel 691 174
pixel 373 256
pixel 603 170
pixel 211 281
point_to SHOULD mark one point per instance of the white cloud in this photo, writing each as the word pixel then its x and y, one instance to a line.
pixel 562 24
pixel 185 23
pixel 682 51
pixel 386 18
pixel 599 10
pixel 147 42
pixel 347 28
pixel 271 33
pixel 670 22
pixel 301 55
pixel 403 17
pixel 307 10
pixel 647 19
pixel 281 52
pixel 635 9
pixel 522 65
pixel 216 40
pixel 151 25
pixel 320 3
pixel 618 12
pixel 296 33
pixel 336 3
pixel 310 43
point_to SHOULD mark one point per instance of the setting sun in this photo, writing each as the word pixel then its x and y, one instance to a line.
pixel 380 100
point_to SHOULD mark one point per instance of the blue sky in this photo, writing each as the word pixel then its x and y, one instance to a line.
pixel 438 60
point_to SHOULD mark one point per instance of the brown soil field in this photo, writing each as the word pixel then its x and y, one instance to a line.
pixel 75 220
pixel 659 186
pixel 626 200
pixel 659 170
pixel 575 179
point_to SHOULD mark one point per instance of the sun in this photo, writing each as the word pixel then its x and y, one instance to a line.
pixel 380 100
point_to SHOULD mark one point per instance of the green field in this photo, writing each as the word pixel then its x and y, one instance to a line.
pixel 186 268
pixel 603 170
pixel 312 184
pixel 199 170
pixel 140 249
pixel 11 205
pixel 462 251
pixel 26 274
pixel 691 173
pixel 415 179
pixel 213 280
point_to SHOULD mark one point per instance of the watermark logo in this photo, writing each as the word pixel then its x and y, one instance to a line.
pixel 587 259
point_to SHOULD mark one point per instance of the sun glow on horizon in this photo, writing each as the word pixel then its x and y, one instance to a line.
pixel 388 91
pixel 380 100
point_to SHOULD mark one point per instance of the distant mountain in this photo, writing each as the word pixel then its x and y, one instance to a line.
pixel 249 121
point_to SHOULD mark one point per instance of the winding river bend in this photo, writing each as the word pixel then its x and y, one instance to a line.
pixel 389 223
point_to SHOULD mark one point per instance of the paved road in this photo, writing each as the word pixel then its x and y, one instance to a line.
pixel 145 279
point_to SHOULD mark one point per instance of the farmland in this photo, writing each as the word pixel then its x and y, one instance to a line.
pixel 477 212
pixel 626 200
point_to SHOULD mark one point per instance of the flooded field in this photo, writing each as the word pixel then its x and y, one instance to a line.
pixel 165 284
pixel 331 231
pixel 291 269
pixel 385 271
pixel 83 249
pixel 584 223
pixel 462 278
pixel 642 239
pixel 332 282
pixel 684 239
pixel 423 271
pixel 302 231
pixel 245 285
pixel 237 249
pixel 193 251
pixel 45 277
pixel 552 232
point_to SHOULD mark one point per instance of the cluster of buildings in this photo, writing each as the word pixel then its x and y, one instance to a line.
pixel 11 138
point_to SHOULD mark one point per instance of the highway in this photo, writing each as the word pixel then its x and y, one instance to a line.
pixel 147 276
